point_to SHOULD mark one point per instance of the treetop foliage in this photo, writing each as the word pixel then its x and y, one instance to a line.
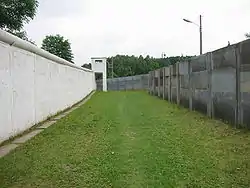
pixel 14 13
pixel 57 45
pixel 124 65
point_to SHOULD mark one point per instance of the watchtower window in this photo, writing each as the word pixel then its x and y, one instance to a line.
pixel 98 61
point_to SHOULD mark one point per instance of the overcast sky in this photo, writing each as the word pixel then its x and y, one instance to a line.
pixel 146 27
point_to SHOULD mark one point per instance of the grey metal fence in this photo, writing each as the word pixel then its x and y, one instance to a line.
pixel 138 82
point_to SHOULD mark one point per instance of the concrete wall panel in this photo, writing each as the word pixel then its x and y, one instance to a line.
pixel 224 80
pixel 245 82
pixel 184 81
pixel 200 100
pixel 183 68
pixel 22 73
pixel 224 84
pixel 167 71
pixel 198 63
pixel 184 97
pixel 245 52
pixel 33 88
pixel 199 80
pixel 6 93
pixel 224 58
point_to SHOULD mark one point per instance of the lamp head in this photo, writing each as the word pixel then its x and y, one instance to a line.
pixel 187 20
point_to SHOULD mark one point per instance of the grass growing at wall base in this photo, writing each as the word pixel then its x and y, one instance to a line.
pixel 131 139
pixel 42 122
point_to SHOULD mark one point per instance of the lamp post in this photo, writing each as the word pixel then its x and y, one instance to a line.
pixel 200 26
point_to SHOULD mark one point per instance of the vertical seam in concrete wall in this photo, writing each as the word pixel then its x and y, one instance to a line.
pixel 34 71
pixel 11 54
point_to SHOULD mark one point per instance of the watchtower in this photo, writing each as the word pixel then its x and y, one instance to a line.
pixel 99 66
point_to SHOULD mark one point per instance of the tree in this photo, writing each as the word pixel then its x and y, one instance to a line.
pixel 88 66
pixel 247 35
pixel 57 45
pixel 132 65
pixel 20 34
pixel 14 13
pixel 23 35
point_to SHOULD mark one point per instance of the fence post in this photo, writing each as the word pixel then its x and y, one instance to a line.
pixel 149 82
pixel 159 80
pixel 190 86
pixel 210 103
pixel 163 84
pixel 238 111
pixel 153 73
pixel 172 75
pixel 141 78
pixel 152 82
pixel 177 83
pixel 125 80
pixel 132 82
pixel 169 84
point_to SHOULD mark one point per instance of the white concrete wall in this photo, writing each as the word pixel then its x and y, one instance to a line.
pixel 33 87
